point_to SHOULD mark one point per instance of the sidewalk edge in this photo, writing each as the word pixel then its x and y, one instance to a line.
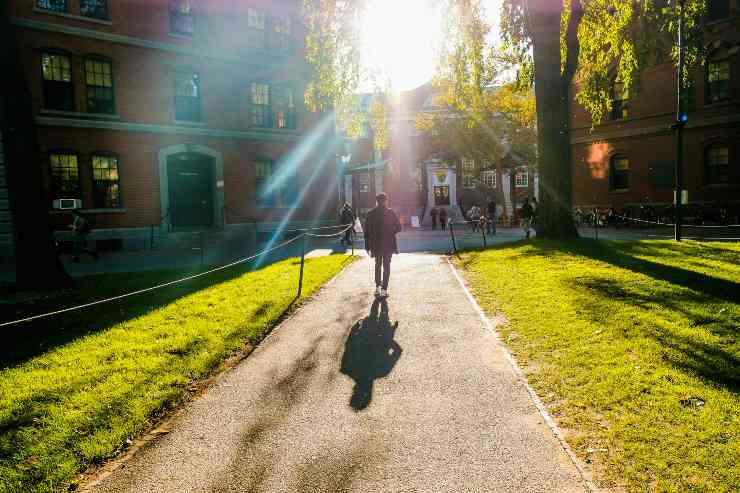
pixel 556 431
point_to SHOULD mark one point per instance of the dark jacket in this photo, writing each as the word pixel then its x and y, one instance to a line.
pixel 526 211
pixel 347 216
pixel 381 227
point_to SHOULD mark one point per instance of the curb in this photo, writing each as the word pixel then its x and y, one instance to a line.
pixel 556 431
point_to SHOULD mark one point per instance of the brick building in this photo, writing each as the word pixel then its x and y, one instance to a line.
pixel 406 170
pixel 628 161
pixel 179 115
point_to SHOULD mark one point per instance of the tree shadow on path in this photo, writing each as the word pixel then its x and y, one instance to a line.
pixel 370 353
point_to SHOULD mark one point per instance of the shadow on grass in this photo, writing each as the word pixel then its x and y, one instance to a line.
pixel 716 363
pixel 28 340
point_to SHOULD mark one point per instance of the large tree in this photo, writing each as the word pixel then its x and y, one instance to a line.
pixel 554 43
pixel 37 263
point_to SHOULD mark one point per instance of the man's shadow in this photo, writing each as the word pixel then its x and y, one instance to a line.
pixel 370 353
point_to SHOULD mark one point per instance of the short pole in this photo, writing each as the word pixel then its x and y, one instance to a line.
pixel 352 239
pixel 483 232
pixel 202 249
pixel 303 261
pixel 452 234
pixel 596 223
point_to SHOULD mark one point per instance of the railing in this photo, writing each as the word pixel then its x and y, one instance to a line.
pixel 304 237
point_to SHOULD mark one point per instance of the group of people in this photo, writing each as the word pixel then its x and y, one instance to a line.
pixel 483 219
pixel 442 215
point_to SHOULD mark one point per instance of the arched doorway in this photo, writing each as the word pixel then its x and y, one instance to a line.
pixel 191 186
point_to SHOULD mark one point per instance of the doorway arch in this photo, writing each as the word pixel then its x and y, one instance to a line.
pixel 205 172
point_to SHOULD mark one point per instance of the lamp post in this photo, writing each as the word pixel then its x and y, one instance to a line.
pixel 681 119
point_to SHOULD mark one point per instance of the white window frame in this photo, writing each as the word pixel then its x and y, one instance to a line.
pixel 489 178
pixel 521 178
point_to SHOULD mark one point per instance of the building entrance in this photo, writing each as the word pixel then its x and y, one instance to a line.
pixel 191 190
pixel 442 195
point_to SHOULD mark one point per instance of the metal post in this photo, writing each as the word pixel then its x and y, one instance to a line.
pixel 352 238
pixel 678 126
pixel 483 232
pixel 596 223
pixel 452 234
pixel 202 249
pixel 303 261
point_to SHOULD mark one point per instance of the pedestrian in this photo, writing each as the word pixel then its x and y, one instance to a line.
pixel 346 218
pixel 474 217
pixel 526 213
pixel 81 228
pixel 433 214
pixel 443 218
pixel 381 227
pixel 491 217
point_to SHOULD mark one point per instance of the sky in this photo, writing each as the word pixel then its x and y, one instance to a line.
pixel 401 38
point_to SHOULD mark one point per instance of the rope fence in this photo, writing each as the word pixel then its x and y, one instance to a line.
pixel 303 236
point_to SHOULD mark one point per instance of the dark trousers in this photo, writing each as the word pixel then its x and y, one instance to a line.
pixel 348 236
pixel 434 222
pixel 383 262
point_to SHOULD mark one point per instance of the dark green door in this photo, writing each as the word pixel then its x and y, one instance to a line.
pixel 191 188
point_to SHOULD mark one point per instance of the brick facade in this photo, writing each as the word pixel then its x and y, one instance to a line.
pixel 645 139
pixel 145 56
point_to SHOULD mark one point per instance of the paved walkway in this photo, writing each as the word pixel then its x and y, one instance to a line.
pixel 352 394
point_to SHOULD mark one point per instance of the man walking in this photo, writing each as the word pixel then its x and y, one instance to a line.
pixel 526 213
pixel 491 217
pixel 346 218
pixel 433 214
pixel 381 227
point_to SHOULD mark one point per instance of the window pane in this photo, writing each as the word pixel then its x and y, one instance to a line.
pixel 65 183
pixel 717 162
pixel 53 5
pixel 261 110
pixel 57 82
pixel 256 19
pixel 99 86
pixel 106 192
pixel 620 168
pixel 187 96
pixel 94 8
pixel 181 17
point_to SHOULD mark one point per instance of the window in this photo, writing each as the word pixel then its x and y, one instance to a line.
pixel 99 83
pixel 53 5
pixel 65 176
pixel 261 111
pixel 268 195
pixel 468 173
pixel 181 17
pixel 718 9
pixel 256 29
pixel 717 164
pixel 718 80
pixel 285 108
pixel 489 178
pixel 364 182
pixel 620 173
pixel 187 96
pixel 97 9
pixel 282 27
pixel 521 178
pixel 106 191
pixel 620 101
pixel 57 75
pixel 419 177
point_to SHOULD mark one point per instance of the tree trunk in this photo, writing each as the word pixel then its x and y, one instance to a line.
pixel 554 216
pixel 37 263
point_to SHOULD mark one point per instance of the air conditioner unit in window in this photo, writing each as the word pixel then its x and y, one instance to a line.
pixel 67 204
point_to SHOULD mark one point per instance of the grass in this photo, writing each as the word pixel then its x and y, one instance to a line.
pixel 634 347
pixel 74 389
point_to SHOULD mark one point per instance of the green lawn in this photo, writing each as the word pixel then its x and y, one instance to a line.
pixel 73 389
pixel 634 347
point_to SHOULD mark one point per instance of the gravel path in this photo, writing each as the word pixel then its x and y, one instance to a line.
pixel 352 394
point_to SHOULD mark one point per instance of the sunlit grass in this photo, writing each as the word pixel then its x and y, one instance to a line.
pixel 633 346
pixel 78 402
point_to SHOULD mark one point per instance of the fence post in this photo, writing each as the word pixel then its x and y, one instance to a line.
pixel 452 234
pixel 352 238
pixel 303 261
pixel 202 249
pixel 596 223
pixel 483 232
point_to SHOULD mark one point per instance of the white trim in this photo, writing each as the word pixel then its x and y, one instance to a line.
pixel 84 18
pixel 279 136
pixel 132 41
pixel 556 431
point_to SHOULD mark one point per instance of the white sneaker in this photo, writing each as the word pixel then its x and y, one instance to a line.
pixel 378 291
pixel 383 293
